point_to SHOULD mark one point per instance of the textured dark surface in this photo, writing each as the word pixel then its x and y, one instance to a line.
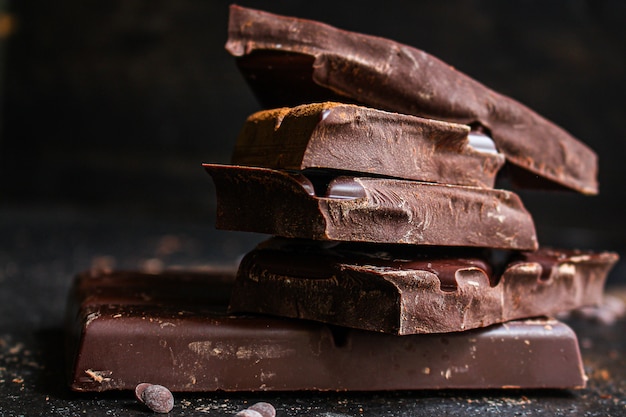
pixel 40 251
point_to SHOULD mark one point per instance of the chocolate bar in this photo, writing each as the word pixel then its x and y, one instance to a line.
pixel 413 290
pixel 172 329
pixel 289 61
pixel 354 138
pixel 368 209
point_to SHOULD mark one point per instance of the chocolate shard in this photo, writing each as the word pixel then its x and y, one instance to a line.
pixel 172 329
pixel 289 61
pixel 369 209
pixel 413 292
pixel 354 138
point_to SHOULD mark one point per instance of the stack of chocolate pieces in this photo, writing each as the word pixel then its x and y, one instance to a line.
pixel 374 168
pixel 394 262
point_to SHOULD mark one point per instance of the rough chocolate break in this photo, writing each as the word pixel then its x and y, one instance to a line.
pixel 412 290
pixel 369 209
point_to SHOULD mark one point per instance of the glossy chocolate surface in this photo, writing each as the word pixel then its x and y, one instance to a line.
pixel 289 61
pixel 413 290
pixel 172 329
pixel 355 138
pixel 381 211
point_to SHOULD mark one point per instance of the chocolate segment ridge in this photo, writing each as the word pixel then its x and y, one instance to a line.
pixel 289 61
pixel 413 294
pixel 172 329
pixel 355 138
pixel 380 210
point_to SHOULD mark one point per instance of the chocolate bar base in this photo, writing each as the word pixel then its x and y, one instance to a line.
pixel 125 328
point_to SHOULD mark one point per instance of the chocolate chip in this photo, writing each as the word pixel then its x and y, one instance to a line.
pixel 156 397
pixel 265 409
pixel 260 409
pixel 139 389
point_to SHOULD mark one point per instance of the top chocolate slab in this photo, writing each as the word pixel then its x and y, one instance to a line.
pixel 355 138
pixel 289 61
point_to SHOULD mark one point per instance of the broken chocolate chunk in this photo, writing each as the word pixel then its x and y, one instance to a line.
pixel 416 291
pixel 354 138
pixel 369 210
pixel 289 61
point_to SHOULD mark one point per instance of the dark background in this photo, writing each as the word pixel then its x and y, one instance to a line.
pixel 112 106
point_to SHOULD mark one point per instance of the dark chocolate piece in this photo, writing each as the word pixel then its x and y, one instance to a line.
pixel 381 290
pixel 289 61
pixel 354 138
pixel 172 329
pixel 380 210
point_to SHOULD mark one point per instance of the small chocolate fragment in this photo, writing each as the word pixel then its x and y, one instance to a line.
pixel 353 138
pixel 379 210
pixel 263 408
pixel 173 328
pixel 413 293
pixel 139 389
pixel 157 398
pixel 289 61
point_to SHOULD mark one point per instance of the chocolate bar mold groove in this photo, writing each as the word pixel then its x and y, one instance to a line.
pixel 425 295
pixel 289 61
pixel 392 211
